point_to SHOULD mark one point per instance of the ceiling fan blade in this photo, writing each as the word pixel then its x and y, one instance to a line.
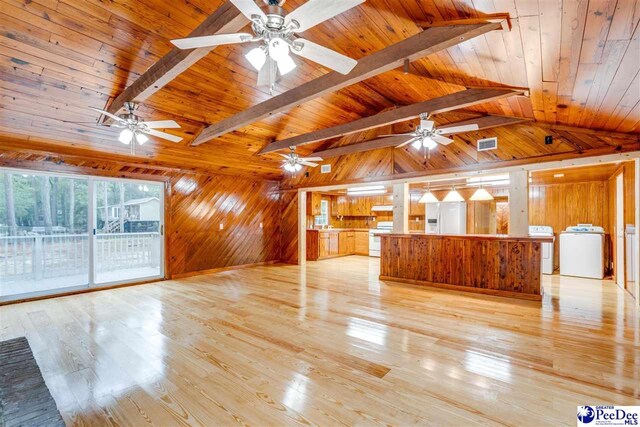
pixel 407 142
pixel 163 135
pixel 397 134
pixel 427 124
pixel 286 156
pixel 249 8
pixel 108 114
pixel 324 56
pixel 457 129
pixel 162 124
pixel 441 139
pixel 311 159
pixel 313 165
pixel 214 40
pixel 314 12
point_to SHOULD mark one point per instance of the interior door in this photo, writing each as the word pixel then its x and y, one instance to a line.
pixel 620 248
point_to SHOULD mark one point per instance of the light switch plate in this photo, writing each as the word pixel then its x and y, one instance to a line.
pixel 221 226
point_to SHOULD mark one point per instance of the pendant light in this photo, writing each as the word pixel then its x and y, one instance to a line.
pixel 428 197
pixel 453 196
pixel 481 195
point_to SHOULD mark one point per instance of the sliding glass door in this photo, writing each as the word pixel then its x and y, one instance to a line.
pixel 128 224
pixel 60 233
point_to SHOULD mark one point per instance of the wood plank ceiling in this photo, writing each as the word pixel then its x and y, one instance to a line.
pixel 57 57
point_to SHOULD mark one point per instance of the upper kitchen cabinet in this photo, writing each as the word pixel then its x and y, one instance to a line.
pixel 415 207
pixel 314 204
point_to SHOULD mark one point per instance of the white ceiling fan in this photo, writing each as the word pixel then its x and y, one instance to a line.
pixel 293 162
pixel 276 31
pixel 135 130
pixel 427 136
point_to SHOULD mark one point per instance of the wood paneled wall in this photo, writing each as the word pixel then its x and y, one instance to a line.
pixel 199 204
pixel 562 205
pixel 289 227
pixel 196 206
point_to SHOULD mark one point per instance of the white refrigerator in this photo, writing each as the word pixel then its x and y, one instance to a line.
pixel 446 218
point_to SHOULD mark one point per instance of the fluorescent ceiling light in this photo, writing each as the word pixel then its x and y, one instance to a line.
pixel 480 195
pixel 366 192
pixel 491 178
pixel 428 197
pixel 453 196
pixel 371 187
pixel 558 175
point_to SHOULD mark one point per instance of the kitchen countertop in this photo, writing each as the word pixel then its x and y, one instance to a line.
pixel 473 237
pixel 340 229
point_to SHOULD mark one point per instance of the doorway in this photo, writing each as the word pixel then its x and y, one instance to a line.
pixel 61 233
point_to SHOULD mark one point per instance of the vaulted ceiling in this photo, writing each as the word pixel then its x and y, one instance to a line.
pixel 579 60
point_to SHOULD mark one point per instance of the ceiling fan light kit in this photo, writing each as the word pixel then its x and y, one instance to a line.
pixel 135 130
pixel 293 163
pixel 277 32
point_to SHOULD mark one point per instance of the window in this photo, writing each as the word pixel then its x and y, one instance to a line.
pixel 323 218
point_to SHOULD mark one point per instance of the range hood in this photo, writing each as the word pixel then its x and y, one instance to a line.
pixel 382 208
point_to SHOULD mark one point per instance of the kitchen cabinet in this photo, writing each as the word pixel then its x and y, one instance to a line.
pixel 313 204
pixel 415 207
pixel 357 205
pixel 361 243
pixel 323 251
pixel 339 206
pixel 331 243
pixel 346 243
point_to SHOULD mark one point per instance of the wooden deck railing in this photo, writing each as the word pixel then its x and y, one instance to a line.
pixel 45 256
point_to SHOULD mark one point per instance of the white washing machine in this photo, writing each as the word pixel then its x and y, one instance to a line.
pixel 547 248
pixel 582 251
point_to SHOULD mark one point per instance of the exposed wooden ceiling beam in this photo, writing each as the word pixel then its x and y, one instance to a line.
pixel 485 122
pixel 418 46
pixel 227 18
pixel 450 102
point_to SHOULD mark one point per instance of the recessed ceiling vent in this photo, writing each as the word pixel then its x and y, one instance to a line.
pixel 487 144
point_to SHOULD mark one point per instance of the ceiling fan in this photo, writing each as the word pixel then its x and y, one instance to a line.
pixel 276 31
pixel 135 130
pixel 293 162
pixel 427 136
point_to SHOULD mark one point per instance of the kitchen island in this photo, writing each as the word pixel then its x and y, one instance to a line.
pixel 490 264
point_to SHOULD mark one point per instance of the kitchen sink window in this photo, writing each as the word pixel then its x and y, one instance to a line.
pixel 323 218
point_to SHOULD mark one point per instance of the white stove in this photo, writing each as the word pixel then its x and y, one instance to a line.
pixel 374 239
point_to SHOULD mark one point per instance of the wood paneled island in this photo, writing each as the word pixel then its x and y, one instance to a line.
pixel 489 264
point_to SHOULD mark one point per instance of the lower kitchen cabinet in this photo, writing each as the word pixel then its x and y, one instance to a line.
pixel 329 243
pixel 361 243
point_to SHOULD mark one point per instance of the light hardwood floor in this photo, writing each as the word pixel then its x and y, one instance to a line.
pixel 329 344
